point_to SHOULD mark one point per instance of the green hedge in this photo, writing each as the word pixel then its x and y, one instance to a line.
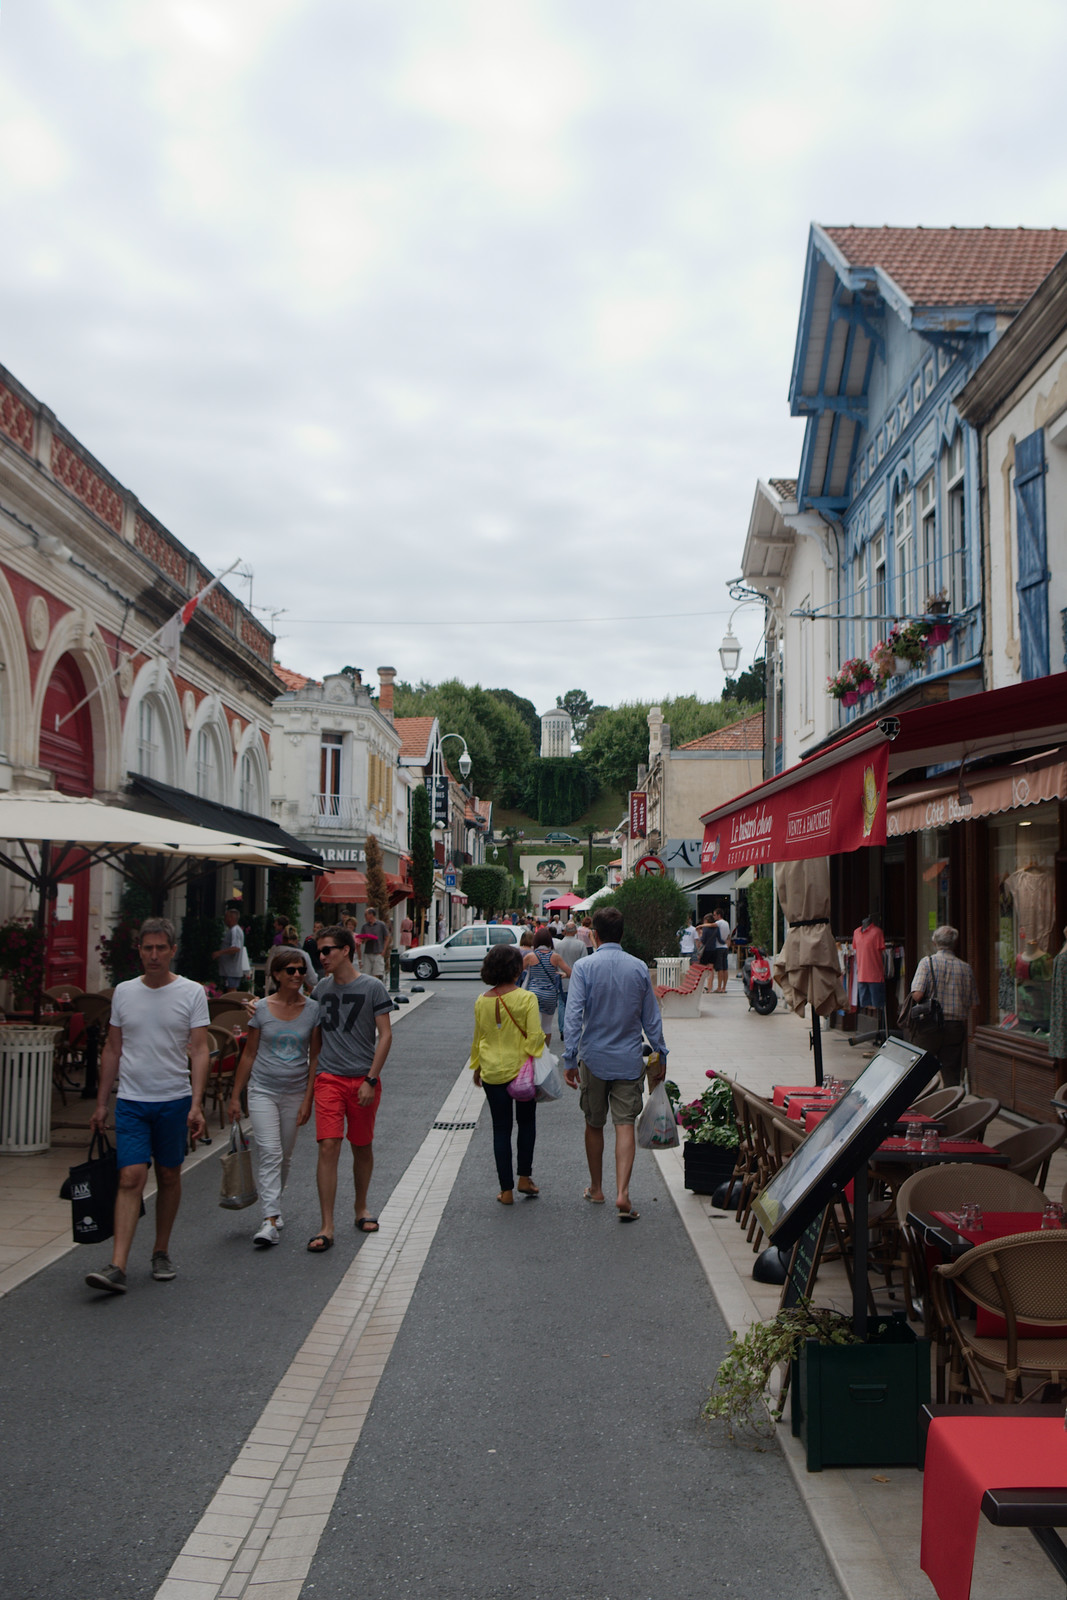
pixel 653 910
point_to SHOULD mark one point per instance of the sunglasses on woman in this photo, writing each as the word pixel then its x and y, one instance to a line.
pixel 293 971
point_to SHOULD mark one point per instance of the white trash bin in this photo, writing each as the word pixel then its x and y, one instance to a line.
pixel 669 970
pixel 26 1057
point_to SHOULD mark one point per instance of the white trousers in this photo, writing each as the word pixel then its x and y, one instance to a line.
pixel 273 1113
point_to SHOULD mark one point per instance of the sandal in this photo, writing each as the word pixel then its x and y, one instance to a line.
pixel 367 1224
pixel 320 1244
pixel 527 1186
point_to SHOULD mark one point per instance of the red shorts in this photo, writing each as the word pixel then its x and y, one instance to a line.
pixel 337 1098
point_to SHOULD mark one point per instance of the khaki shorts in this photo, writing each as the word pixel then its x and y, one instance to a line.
pixel 596 1095
pixel 373 964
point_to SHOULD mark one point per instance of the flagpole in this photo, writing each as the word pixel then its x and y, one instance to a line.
pixel 141 649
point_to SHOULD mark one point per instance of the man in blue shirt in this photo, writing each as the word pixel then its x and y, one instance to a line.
pixel 609 1005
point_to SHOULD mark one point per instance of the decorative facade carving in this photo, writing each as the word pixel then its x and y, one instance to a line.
pixel 159 550
pixel 38 623
pixel 16 420
pixel 85 485
pixel 189 707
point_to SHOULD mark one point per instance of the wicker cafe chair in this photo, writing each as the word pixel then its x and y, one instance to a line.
pixel 64 992
pixel 946 1188
pixel 222 1066
pixel 1032 1150
pixel 970 1120
pixel 1058 1102
pixel 939 1103
pixel 1022 1279
pixel 746 1167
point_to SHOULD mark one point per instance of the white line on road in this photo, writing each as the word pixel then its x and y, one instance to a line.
pixel 268 1514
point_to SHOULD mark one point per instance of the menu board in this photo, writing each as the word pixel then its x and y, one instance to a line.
pixel 842 1142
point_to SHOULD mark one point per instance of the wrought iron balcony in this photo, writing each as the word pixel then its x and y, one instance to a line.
pixel 332 813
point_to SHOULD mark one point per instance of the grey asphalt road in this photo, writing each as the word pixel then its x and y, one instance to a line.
pixel 535 1433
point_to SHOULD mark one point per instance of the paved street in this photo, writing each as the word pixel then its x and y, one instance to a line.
pixel 476 1403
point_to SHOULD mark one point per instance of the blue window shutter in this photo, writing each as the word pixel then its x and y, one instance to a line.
pixel 1032 587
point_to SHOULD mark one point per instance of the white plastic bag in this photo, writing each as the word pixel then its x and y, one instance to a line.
pixel 656 1127
pixel 547 1077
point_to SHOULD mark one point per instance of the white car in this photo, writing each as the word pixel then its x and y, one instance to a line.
pixel 463 953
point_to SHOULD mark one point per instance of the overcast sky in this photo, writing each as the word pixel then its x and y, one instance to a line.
pixel 460 319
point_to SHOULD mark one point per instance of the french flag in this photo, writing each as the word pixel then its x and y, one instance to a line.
pixel 170 635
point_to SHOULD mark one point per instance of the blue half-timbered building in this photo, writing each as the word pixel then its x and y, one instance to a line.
pixel 893 322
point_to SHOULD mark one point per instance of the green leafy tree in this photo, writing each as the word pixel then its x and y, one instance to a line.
pixel 377 888
pixel 498 740
pixel 283 895
pixel 578 705
pixel 558 789
pixel 526 710
pixel 487 888
pixel 421 852
pixel 653 910
pixel 617 743
pixel 750 687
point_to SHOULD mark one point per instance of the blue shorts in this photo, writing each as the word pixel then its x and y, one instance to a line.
pixel 152 1130
pixel 872 995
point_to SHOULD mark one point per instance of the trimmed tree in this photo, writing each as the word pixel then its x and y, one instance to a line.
pixel 487 888
pixel 377 887
pixel 653 910
pixel 421 855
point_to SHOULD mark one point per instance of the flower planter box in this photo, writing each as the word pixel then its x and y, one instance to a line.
pixel 857 1405
pixel 707 1166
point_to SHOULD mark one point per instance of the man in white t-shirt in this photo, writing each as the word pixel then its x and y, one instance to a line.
pixel 158 1033
pixel 230 954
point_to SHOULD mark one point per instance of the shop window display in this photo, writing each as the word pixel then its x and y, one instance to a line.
pixel 1023 854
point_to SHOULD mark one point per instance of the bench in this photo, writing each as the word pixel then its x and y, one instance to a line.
pixel 683 1001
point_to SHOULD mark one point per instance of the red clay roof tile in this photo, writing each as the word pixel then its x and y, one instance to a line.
pixel 741 736
pixel 998 267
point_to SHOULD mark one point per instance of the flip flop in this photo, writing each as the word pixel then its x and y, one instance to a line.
pixel 629 1216
pixel 367 1224
pixel 587 1194
pixel 319 1245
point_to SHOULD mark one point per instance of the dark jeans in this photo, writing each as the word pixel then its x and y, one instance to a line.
pixel 947 1043
pixel 501 1106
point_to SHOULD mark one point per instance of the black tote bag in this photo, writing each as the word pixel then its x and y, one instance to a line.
pixel 93 1187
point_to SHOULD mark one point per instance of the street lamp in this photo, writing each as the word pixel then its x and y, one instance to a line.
pixel 730 649
pixel 465 759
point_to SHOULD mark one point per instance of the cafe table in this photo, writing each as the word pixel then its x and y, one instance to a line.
pixel 1009 1465
pixel 892 1153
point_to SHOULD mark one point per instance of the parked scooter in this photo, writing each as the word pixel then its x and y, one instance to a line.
pixel 758 984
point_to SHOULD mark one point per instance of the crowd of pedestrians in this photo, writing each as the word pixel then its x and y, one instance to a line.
pixel 322 1053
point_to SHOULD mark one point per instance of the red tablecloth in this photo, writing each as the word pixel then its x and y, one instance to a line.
pixel 800 1104
pixel 948 1146
pixel 1000 1225
pixel 783 1090
pixel 965 1456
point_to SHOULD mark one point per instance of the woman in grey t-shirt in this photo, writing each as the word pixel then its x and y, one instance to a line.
pixel 278 1068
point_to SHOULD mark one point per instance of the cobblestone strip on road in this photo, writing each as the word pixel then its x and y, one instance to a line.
pixel 259 1534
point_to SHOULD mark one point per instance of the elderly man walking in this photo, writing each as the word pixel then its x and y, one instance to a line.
pixel 609 1007
pixel 948 979
pixel 571 949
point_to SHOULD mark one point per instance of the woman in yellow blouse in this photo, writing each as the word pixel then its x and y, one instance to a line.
pixel 507 1029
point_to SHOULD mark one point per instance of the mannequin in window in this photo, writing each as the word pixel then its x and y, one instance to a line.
pixel 868 941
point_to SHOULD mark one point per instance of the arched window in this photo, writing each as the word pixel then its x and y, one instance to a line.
pixel 249 796
pixel 147 739
pixel 207 777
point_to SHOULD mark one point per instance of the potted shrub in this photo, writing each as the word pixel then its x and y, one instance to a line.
pixel 907 640
pixel 843 686
pixel 854 1402
pixel 709 1152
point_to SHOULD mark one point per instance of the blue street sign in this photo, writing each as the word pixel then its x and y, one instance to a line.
pixel 450 880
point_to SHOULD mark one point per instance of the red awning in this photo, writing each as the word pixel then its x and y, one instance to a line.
pixel 341 888
pixel 833 803
pixel 986 794
pixel 828 804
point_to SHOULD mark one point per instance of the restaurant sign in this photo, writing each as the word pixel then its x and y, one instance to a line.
pixel 838 809
pixel 638 814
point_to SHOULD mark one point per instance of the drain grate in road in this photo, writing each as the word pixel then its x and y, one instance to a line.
pixel 454 1127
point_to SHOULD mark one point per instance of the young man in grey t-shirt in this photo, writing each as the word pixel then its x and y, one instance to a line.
pixel 355 1035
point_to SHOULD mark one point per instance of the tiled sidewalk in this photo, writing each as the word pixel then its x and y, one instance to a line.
pixel 869 1521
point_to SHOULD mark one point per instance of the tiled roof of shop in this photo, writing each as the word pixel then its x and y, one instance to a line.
pixel 744 735
pixel 291 680
pixel 785 488
pixel 414 736
pixel 999 267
